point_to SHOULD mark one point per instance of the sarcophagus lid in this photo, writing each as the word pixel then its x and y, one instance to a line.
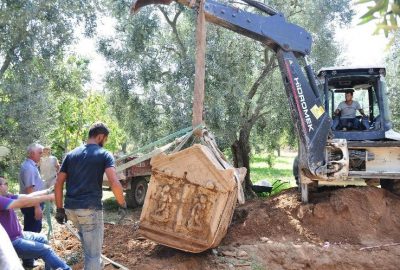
pixel 190 200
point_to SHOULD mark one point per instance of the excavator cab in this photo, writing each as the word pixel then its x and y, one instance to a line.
pixel 369 89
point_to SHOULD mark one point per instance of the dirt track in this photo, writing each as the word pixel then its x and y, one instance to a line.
pixel 276 233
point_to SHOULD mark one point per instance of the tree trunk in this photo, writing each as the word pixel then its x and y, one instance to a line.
pixel 241 158
pixel 278 150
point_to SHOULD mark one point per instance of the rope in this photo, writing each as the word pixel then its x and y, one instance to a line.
pixel 182 140
pixel 48 210
pixel 209 141
pixel 160 141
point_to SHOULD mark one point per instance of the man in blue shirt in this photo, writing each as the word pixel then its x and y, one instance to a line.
pixel 29 182
pixel 82 170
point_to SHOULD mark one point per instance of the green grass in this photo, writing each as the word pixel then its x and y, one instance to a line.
pixel 110 203
pixel 280 172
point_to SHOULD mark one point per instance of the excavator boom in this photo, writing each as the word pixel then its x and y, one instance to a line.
pixel 291 43
pixel 273 30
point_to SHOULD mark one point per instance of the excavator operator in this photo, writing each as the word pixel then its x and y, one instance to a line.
pixel 345 115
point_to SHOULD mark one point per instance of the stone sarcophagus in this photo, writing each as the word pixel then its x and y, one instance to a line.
pixel 190 200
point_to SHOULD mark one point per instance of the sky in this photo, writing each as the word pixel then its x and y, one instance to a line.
pixel 360 47
pixel 86 47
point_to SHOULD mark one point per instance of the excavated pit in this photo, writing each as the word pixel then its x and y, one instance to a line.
pixel 279 233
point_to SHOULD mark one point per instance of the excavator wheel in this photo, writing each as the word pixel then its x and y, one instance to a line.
pixel 392 185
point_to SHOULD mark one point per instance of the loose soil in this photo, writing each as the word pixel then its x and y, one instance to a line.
pixel 274 233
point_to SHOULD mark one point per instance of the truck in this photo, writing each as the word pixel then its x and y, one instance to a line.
pixel 134 180
pixel 326 154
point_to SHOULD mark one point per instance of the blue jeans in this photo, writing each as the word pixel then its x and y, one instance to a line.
pixel 31 225
pixel 90 225
pixel 34 245
pixel 350 123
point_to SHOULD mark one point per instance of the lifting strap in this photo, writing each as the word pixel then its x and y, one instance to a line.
pixel 157 147
pixel 198 95
pixel 162 141
pixel 209 141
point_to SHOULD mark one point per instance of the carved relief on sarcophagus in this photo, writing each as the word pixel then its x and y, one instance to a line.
pixel 190 200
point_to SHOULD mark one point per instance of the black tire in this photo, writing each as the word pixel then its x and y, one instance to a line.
pixel 296 169
pixel 135 196
pixel 392 185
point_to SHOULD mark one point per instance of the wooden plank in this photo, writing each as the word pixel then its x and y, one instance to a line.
pixel 198 95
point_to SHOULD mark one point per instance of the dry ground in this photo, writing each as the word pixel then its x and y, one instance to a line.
pixel 273 233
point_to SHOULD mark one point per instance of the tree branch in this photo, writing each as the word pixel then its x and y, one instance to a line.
pixel 248 117
pixel 294 13
pixel 22 34
pixel 7 61
pixel 269 66
pixel 172 23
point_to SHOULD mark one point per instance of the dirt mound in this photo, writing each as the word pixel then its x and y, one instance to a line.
pixel 124 245
pixel 275 233
pixel 362 215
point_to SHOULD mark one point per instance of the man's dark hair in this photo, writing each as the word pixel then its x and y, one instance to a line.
pixel 97 129
pixel 349 92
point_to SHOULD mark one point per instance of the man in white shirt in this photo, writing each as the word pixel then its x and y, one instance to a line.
pixel 347 111
pixel 49 167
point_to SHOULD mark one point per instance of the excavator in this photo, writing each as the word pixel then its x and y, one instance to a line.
pixel 326 154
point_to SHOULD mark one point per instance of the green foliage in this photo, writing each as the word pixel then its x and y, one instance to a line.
pixel 40 29
pixel 385 12
pixel 55 111
pixel 281 176
pixel 34 68
pixel 277 187
pixel 74 117
pixel 28 102
pixel 110 204
pixel 282 169
pixel 270 159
